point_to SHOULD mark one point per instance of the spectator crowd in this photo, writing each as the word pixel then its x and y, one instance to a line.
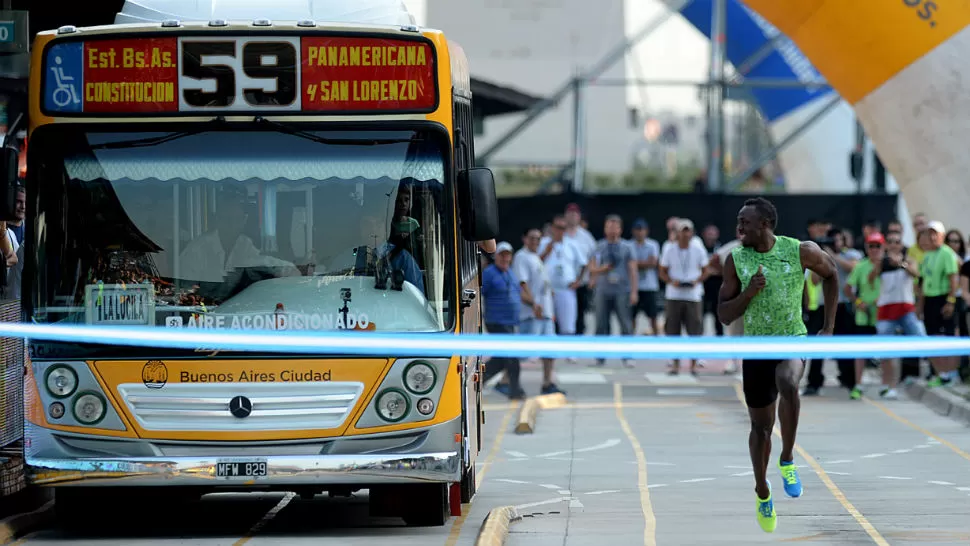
pixel 561 274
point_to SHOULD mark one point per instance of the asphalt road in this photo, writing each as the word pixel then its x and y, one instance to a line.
pixel 636 458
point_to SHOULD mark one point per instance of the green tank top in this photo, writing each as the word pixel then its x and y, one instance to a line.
pixel 777 309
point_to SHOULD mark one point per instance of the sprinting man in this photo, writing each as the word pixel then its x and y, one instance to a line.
pixel 763 283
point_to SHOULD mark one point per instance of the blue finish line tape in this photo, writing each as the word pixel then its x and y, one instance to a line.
pixel 446 345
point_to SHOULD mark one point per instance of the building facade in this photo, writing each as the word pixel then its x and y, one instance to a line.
pixel 536 46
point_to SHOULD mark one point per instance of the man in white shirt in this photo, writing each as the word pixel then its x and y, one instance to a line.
pixel 583 240
pixel 566 266
pixel 683 266
pixel 212 255
pixel 535 317
pixel 673 224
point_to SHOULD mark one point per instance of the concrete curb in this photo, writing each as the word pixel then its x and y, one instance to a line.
pixel 527 414
pixel 20 524
pixel 495 527
pixel 941 401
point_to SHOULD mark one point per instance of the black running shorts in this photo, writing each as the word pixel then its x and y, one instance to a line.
pixel 759 381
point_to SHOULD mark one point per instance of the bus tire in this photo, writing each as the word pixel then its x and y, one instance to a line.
pixel 429 505
pixel 468 485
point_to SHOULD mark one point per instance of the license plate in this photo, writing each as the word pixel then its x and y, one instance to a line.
pixel 241 469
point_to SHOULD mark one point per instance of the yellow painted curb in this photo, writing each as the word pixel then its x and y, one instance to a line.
pixel 495 528
pixel 529 410
pixel 20 524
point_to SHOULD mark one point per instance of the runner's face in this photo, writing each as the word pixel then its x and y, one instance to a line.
pixel 750 227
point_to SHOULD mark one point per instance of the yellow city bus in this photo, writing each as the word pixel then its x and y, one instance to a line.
pixel 252 175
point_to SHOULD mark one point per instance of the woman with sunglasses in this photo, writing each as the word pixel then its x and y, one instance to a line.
pixel 955 240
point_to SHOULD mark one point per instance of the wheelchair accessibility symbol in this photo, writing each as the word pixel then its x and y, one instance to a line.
pixel 64 93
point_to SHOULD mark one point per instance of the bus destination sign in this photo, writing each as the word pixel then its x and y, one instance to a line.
pixel 189 74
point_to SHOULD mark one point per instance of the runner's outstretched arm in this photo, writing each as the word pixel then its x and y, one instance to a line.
pixel 821 263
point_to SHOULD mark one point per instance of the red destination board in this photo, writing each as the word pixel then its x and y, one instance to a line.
pixel 367 74
pixel 131 76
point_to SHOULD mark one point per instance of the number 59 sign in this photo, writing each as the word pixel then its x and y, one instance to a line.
pixel 226 74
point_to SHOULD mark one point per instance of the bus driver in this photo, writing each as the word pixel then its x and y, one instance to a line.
pixel 205 259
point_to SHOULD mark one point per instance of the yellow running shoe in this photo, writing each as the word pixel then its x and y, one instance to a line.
pixel 767 518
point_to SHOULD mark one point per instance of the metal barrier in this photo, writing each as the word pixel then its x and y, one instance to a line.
pixel 12 355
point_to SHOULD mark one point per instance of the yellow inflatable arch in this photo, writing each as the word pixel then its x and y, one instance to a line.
pixel 904 66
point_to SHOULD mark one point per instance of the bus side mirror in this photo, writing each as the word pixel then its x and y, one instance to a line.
pixel 477 204
pixel 9 167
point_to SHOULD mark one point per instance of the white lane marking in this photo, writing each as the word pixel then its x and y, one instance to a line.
pixel 551 486
pixel 873 455
pixel 605 445
pixel 663 379
pixel 603 492
pixel 542 503
pixel 894 478
pixel 695 480
pixel 656 464
pixel 738 467
pixel 271 514
pixel 746 473
pixel 563 491
pixel 837 473
pixel 922 446
pixel 933 441
pixel 574 504
pixel 517 454
pixel 902 451
pixel 652 485
pixel 963 488
pixel 567 459
pixel 940 483
pixel 840 461
pixel 580 378
pixel 510 481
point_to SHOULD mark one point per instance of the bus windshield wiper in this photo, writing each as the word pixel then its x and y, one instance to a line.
pixel 290 130
pixel 154 141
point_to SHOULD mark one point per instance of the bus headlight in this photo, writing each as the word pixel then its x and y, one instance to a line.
pixel 89 408
pixel 61 381
pixel 425 406
pixel 419 377
pixel 392 405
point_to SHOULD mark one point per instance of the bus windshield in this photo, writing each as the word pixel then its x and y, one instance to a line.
pixel 242 229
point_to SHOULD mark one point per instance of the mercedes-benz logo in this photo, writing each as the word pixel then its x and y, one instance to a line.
pixel 240 407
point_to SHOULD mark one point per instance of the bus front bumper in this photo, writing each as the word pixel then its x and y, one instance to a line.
pixel 410 457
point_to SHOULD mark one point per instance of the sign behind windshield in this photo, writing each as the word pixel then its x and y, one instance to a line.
pixel 120 304
pixel 180 74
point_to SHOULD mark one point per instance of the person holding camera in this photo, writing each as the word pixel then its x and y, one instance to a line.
pixel 683 266
pixel 845 259
pixel 614 280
